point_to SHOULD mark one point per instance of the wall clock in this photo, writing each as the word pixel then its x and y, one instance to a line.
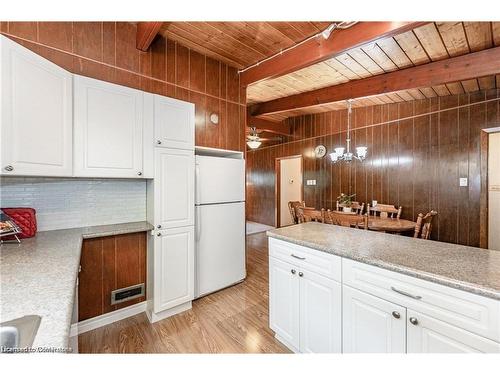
pixel 320 151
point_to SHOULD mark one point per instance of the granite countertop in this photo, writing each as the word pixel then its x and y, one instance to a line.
pixel 467 268
pixel 38 277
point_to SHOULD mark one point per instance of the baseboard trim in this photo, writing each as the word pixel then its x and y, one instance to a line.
pixel 155 317
pixel 286 343
pixel 108 318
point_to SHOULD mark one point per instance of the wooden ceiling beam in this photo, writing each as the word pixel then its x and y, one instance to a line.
pixel 146 32
pixel 268 126
pixel 460 68
pixel 319 49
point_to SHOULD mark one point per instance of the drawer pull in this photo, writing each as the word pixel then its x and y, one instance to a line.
pixel 297 257
pixel 405 293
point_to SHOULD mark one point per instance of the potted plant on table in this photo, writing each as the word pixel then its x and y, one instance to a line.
pixel 345 201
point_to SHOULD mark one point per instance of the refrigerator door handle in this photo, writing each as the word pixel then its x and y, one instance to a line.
pixel 197 184
pixel 198 223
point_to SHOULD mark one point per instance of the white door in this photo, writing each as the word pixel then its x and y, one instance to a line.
pixel 174 123
pixel 108 129
pixel 429 335
pixel 284 301
pixel 219 180
pixel 320 314
pixel 36 114
pixel 371 324
pixel 220 246
pixel 173 268
pixel 174 188
pixel 290 187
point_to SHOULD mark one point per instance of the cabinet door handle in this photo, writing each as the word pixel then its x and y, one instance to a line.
pixel 158 234
pixel 139 173
pixel 297 257
pixel 396 314
pixel 158 226
pixel 301 274
pixel 414 321
pixel 158 142
pixel 405 293
pixel 9 168
pixel 293 272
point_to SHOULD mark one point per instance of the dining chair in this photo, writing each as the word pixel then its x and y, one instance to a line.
pixel 356 206
pixel 424 225
pixel 346 220
pixel 292 206
pixel 385 210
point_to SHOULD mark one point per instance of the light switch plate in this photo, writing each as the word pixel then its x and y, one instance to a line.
pixel 463 181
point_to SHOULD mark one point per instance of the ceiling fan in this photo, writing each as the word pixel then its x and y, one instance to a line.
pixel 254 140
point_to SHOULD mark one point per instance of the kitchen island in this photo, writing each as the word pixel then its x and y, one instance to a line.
pixel 38 277
pixel 337 289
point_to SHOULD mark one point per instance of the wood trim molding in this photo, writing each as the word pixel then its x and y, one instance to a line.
pixel 460 68
pixel 318 49
pixel 146 32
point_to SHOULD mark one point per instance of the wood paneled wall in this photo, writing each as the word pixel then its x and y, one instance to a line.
pixel 110 263
pixel 106 51
pixel 413 161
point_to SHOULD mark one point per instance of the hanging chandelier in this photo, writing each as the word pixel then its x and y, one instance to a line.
pixel 348 156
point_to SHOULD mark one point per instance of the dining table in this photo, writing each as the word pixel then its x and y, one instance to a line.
pixel 375 223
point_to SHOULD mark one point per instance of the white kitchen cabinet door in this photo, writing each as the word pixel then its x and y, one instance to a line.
pixel 371 324
pixel 320 314
pixel 429 335
pixel 173 268
pixel 174 188
pixel 36 114
pixel 108 126
pixel 284 301
pixel 174 123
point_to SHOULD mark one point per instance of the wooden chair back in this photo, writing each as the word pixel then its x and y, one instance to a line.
pixel 423 228
pixel 385 210
pixel 356 206
pixel 346 220
pixel 292 206
pixel 306 214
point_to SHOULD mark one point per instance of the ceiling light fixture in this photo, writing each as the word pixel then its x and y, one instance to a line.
pixel 253 139
pixel 348 156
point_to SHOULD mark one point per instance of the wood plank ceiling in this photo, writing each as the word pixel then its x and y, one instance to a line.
pixel 240 44
pixel 432 42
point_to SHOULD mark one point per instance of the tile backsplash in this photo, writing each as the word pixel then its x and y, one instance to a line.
pixel 63 203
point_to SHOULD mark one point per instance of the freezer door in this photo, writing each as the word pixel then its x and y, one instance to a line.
pixel 220 246
pixel 219 180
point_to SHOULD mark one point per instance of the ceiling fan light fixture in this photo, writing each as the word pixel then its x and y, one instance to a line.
pixel 254 144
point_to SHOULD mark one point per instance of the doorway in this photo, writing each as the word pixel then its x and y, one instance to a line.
pixel 494 191
pixel 288 187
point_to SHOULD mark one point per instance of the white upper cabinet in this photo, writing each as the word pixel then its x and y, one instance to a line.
pixel 108 126
pixel 35 114
pixel 371 324
pixel 173 123
pixel 174 188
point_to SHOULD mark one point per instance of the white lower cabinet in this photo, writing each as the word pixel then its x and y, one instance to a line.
pixel 371 324
pixel 305 308
pixel 428 335
pixel 322 303
pixel 173 268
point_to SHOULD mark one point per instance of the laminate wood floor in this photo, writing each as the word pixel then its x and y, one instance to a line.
pixel 234 320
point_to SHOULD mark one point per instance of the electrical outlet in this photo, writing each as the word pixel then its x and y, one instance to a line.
pixel 463 181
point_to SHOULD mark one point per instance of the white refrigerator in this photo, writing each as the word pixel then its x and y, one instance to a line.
pixel 220 223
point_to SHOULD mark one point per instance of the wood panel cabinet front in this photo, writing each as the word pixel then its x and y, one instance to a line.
pixel 108 126
pixel 107 264
pixel 36 114
pixel 174 123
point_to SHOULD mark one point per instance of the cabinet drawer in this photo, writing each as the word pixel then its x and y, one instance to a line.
pixel 471 312
pixel 313 260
